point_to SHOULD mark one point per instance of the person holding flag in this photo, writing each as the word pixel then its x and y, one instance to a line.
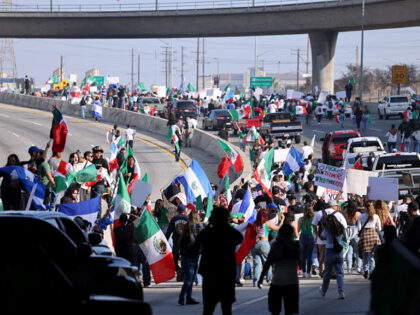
pixel 174 135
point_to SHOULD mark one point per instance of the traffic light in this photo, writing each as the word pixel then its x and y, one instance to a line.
pixel 216 81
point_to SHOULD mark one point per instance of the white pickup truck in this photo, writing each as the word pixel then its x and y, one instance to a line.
pixel 364 146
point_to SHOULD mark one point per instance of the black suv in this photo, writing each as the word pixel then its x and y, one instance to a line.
pixel 185 109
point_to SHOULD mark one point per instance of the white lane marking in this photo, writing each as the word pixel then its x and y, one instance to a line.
pixel 69 134
pixel 92 145
pixel 4 115
pixel 15 134
pixel 255 300
pixel 375 129
pixel 318 131
pixel 35 123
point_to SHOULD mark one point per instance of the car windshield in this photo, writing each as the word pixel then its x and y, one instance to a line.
pixel 343 138
pixel 150 100
pixel 397 162
pixel 181 105
pixel 277 116
pixel 221 113
pixel 402 99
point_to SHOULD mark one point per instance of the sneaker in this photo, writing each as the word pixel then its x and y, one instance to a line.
pixel 321 292
pixel 181 301
pixel 341 296
pixel 366 274
pixel 238 284
pixel 192 302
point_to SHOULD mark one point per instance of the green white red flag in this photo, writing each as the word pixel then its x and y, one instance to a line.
pixel 254 136
pixel 122 201
pixel 262 172
pixel 63 176
pixel 136 172
pixel 156 248
pixel 59 130
pixel 233 155
pixel 173 137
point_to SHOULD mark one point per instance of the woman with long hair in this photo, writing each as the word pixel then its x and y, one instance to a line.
pixel 306 240
pixel 384 216
pixel 162 215
pixel 351 214
pixel 368 224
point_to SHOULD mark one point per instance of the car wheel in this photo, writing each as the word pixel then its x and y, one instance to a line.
pixel 379 114
pixel 297 139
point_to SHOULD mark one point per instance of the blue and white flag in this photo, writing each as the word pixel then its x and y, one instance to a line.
pixel 195 182
pixel 230 95
pixel 294 161
pixel 248 207
pixel 97 110
pixel 28 180
pixel 88 209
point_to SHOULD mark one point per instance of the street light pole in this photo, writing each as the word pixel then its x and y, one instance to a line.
pixel 361 54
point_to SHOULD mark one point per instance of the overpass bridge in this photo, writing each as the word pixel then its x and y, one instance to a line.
pixel 322 20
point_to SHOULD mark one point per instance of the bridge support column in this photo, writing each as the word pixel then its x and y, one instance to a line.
pixel 323 52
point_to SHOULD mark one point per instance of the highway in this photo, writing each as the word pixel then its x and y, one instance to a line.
pixel 22 128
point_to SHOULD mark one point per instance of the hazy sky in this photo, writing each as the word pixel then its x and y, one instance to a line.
pixel 39 57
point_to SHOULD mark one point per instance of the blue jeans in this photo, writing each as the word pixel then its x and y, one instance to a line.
pixel 259 254
pixel 414 144
pixel 407 145
pixel 365 121
pixel 341 119
pixel 353 251
pixel 368 262
pixel 189 267
pixel 83 111
pixel 391 146
pixel 307 244
pixel 333 259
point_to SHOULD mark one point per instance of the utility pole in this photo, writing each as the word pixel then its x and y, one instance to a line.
pixel 357 68
pixel 182 67
pixel 132 68
pixel 166 54
pixel 307 57
pixel 138 69
pixel 203 65
pixel 278 86
pixel 361 55
pixel 61 68
pixel 198 62
pixel 297 72
pixel 171 84
pixel 155 76
pixel 256 57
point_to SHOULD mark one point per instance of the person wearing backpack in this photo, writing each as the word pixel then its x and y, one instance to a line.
pixel 333 230
pixel 320 215
pixel 368 225
pixel 330 109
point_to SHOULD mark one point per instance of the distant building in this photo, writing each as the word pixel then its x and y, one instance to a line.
pixel 94 72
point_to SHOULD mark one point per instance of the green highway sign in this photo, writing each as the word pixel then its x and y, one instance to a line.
pixel 99 81
pixel 261 82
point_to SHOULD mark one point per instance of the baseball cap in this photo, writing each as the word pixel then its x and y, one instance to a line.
pixel 181 207
pixel 333 203
pixel 34 149
pixel 273 206
pixel 98 149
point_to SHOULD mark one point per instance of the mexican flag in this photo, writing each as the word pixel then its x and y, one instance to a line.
pixel 91 80
pixel 173 137
pixel 236 115
pixel 63 176
pixel 124 169
pixel 88 174
pixel 142 86
pixel 209 208
pixel 156 248
pixel 254 136
pixel 262 172
pixel 145 178
pixel 227 87
pixel 228 193
pixel 233 155
pixel 122 201
pixel 59 130
pixel 191 88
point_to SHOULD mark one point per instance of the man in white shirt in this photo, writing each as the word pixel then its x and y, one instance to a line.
pixel 334 251
pixel 190 125
pixel 307 150
pixel 129 136
pixel 272 108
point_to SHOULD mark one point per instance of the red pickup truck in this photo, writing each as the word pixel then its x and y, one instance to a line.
pixel 247 123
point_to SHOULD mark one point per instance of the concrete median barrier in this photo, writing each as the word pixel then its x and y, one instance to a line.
pixel 155 125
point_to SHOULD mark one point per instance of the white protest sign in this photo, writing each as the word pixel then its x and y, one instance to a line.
pixel 340 94
pixel 280 155
pixel 258 92
pixel 297 95
pixel 93 89
pixel 113 80
pixel 289 94
pixel 383 188
pixel 329 176
pixel 358 181
pixel 140 192
pixel 322 97
pixel 330 194
pixel 410 90
pixel 73 78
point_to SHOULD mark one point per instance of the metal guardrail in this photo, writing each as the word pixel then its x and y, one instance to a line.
pixel 159 6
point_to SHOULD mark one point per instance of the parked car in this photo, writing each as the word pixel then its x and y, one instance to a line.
pixel 42 269
pixel 362 145
pixel 152 102
pixel 404 166
pixel 334 143
pixel 282 125
pixel 217 119
pixel 184 109
pixel 394 105
pixel 107 275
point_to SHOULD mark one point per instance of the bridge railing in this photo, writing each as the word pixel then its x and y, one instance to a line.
pixel 159 5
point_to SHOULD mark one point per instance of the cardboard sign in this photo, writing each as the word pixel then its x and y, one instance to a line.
pixel 383 188
pixel 329 176
pixel 297 95
pixel 322 97
pixel 358 181
pixel 140 192
pixel 289 94
pixel 340 94
pixel 280 155
pixel 330 194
